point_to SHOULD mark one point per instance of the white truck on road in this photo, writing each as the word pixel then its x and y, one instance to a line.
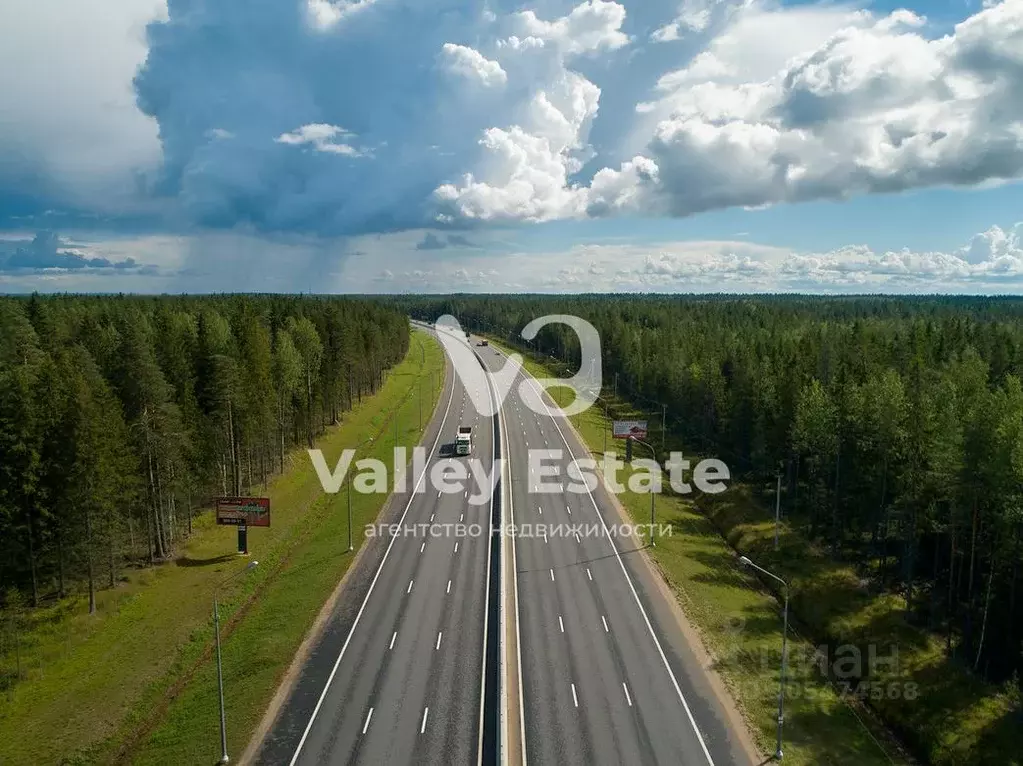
pixel 463 440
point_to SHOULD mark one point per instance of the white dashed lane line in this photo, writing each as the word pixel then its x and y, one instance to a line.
pixel 409 587
pixel 422 726
pixel 393 636
pixel 627 697
pixel 438 641
pixel 561 623
pixel 369 716
pixel 575 698
pixel 603 620
pixel 588 574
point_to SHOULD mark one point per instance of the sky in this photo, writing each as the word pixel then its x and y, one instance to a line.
pixel 391 146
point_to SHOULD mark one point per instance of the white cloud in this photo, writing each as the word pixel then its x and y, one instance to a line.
pixel 991 263
pixel 693 15
pixel 528 166
pixel 872 106
pixel 592 26
pixel 470 63
pixel 321 137
pixel 325 14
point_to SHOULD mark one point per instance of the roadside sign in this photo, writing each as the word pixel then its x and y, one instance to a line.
pixel 629 429
pixel 243 511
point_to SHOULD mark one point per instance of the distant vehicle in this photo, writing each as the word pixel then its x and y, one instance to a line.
pixel 483 343
pixel 463 441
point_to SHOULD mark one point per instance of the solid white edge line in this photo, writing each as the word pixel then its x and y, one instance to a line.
pixel 365 600
pixel 632 587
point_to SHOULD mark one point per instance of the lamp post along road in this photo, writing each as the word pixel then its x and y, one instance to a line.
pixel 359 446
pixel 784 649
pixel 653 456
pixel 224 758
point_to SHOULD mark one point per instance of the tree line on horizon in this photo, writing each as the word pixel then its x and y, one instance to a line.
pixel 896 425
pixel 121 417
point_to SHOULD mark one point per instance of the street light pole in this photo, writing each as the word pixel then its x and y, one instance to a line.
pixel 784 649
pixel 351 547
pixel 224 758
pixel 653 456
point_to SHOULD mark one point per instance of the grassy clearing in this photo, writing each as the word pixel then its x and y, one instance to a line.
pixel 740 624
pixel 134 683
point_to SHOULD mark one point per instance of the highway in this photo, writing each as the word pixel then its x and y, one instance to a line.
pixel 400 681
pixel 607 675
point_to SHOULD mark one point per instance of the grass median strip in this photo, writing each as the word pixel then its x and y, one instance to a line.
pixel 135 684
pixel 740 624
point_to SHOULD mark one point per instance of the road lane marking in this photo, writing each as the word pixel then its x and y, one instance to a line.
pixel 422 547
pixel 561 623
pixel 365 600
pixel 393 636
pixel 588 574
pixel 409 587
pixel 461 517
pixel 552 575
pixel 368 717
pixel 605 624
pixel 627 697
pixel 456 547
pixel 439 634
pixel 575 698
pixel 449 587
pixel 422 726
pixel 632 589
pixel 431 517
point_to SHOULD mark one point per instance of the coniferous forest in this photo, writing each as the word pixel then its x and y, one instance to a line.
pixel 121 417
pixel 896 423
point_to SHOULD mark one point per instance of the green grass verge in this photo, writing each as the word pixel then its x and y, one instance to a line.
pixel 134 683
pixel 740 624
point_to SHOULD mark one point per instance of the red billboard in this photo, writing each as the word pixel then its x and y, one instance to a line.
pixel 243 511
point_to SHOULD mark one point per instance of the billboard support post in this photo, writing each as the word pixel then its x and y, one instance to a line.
pixel 243 540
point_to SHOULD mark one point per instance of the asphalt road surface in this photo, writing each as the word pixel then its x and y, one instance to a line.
pixel 398 675
pixel 608 677
pixel 400 681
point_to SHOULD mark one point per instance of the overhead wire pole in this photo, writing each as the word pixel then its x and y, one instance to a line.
pixel 744 560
